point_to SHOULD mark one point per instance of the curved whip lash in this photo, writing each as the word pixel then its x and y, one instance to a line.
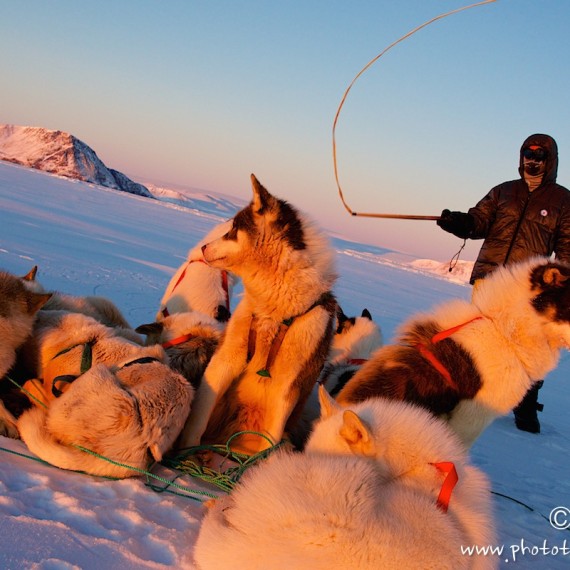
pixel 367 66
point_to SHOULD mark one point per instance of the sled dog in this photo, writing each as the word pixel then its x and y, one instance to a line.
pixel 65 345
pixel 97 307
pixel 198 286
pixel 278 337
pixel 189 339
pixel 354 341
pixel 18 309
pixel 470 362
pixel 128 414
pixel 383 484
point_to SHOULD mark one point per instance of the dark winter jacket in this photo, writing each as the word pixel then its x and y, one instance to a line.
pixel 517 224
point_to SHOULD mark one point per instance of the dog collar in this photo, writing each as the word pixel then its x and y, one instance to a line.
pixel 178 340
pixel 356 361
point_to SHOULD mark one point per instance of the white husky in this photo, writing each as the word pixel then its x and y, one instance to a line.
pixel 381 485
pixel 197 286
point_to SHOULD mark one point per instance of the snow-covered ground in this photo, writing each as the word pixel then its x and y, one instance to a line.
pixel 91 240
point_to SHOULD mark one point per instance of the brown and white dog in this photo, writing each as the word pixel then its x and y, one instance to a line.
pixel 18 308
pixel 277 340
pixel 470 362
pixel 383 484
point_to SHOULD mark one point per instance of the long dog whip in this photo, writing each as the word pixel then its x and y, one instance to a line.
pixel 368 65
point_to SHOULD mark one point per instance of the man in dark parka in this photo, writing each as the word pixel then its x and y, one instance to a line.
pixel 519 219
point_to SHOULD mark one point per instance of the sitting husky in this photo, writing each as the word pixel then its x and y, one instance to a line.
pixel 197 286
pixel 277 340
pixel 126 416
pixel 18 308
pixel 381 485
pixel 470 362
pixel 189 339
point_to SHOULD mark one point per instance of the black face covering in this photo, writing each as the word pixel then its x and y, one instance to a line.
pixel 533 167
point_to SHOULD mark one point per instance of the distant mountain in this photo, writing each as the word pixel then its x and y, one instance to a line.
pixel 60 153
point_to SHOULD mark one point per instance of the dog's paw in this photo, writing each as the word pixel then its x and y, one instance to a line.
pixel 205 457
pixel 9 429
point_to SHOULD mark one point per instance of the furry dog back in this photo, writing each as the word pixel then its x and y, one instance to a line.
pixel 366 494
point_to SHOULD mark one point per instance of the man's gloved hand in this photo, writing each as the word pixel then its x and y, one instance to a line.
pixel 459 224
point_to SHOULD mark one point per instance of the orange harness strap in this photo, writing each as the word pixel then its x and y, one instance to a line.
pixel 432 358
pixel 449 482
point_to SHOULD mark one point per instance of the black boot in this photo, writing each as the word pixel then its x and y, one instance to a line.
pixel 526 418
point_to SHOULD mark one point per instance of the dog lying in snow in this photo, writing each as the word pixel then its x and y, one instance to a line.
pixel 197 286
pixel 97 307
pixel 18 309
pixel 278 337
pixel 130 414
pixel 470 362
pixel 189 339
pixel 383 484
pixel 65 345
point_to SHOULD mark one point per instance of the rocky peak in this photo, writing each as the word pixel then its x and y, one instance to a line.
pixel 63 154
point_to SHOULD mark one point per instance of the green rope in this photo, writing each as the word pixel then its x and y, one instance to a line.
pixel 24 455
pixel 148 474
pixel 225 480
pixel 29 394
pixel 183 462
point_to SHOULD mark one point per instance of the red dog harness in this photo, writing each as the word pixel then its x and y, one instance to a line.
pixel 432 358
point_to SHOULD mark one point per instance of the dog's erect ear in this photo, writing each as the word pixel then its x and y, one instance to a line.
pixel 222 314
pixel 328 405
pixel 262 199
pixel 150 328
pixel 31 275
pixel 356 434
pixel 366 314
pixel 36 301
pixel 341 319
pixel 553 277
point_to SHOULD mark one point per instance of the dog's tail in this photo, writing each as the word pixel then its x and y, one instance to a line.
pixel 41 442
